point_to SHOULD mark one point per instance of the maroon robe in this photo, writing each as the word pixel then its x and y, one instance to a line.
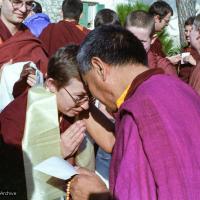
pixel 157 49
pixel 12 121
pixel 155 61
pixel 194 80
pixel 23 46
pixel 4 32
pixel 187 69
pixel 60 34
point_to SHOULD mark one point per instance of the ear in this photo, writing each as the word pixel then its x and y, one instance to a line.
pixel 157 18
pixel 100 67
pixel 50 84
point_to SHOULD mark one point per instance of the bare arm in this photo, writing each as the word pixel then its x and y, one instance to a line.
pixel 100 128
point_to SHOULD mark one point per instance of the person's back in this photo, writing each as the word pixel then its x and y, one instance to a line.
pixel 106 17
pixel 68 30
pixel 161 145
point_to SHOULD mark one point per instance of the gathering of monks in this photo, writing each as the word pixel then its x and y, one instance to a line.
pixel 101 113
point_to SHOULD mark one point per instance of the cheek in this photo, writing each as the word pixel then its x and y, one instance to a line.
pixel 62 103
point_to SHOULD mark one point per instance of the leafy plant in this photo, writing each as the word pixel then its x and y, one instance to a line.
pixel 168 44
pixel 124 9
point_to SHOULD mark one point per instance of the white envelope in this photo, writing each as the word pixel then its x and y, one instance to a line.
pixel 56 167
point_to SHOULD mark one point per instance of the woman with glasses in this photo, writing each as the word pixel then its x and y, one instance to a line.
pixel 64 81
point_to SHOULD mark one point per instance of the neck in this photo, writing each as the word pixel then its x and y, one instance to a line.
pixel 13 28
pixel 70 20
pixel 130 73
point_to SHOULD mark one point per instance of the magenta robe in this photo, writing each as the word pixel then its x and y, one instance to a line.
pixel 156 154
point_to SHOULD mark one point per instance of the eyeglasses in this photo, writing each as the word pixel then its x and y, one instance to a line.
pixel 78 101
pixel 16 4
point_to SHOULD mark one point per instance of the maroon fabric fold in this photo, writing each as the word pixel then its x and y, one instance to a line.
pixel 60 34
pixel 23 46
pixel 156 61
pixel 4 32
pixel 12 121
pixel 157 49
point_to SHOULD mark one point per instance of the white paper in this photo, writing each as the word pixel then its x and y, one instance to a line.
pixel 56 167
pixel 183 55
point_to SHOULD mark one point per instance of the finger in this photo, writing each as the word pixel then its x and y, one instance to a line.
pixel 75 128
pixel 31 83
pixel 72 127
pixel 31 79
pixel 75 135
pixel 76 141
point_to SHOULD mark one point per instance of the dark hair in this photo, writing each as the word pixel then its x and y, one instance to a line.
pixel 112 44
pixel 37 7
pixel 72 9
pixel 160 8
pixel 189 21
pixel 141 19
pixel 63 65
pixel 106 17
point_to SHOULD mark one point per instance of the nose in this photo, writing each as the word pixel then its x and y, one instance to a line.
pixel 85 105
pixel 23 8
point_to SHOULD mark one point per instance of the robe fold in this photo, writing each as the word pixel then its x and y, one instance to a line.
pixel 155 61
pixel 23 46
pixel 194 80
pixel 60 34
pixel 157 49
pixel 187 69
pixel 156 154
pixel 4 32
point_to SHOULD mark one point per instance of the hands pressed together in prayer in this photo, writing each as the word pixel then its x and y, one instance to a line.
pixel 72 138
pixel 87 185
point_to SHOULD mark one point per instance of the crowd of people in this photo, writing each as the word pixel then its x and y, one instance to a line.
pixel 136 109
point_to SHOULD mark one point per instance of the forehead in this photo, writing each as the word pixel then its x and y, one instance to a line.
pixel 188 27
pixel 76 85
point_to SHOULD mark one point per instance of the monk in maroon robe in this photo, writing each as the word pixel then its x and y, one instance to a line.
pixel 67 31
pixel 17 42
pixel 62 33
pixel 156 153
pixel 186 69
pixel 141 24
